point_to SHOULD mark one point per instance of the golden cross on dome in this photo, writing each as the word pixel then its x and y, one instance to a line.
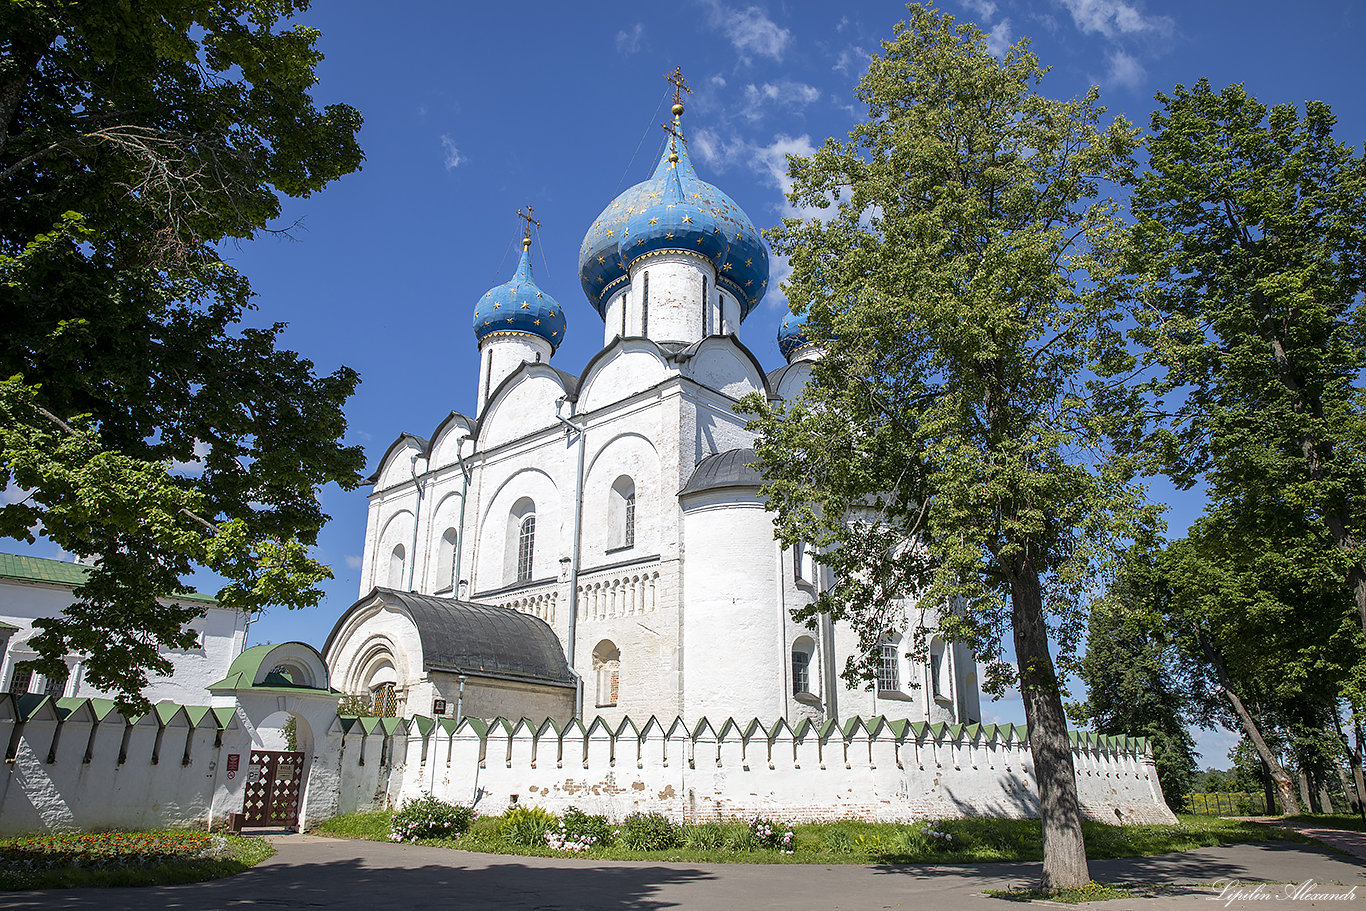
pixel 680 84
pixel 527 222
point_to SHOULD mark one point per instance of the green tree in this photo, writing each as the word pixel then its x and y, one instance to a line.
pixel 1250 243
pixel 951 444
pixel 1134 676
pixel 135 138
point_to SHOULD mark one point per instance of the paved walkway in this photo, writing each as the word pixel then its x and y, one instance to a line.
pixel 339 875
pixel 1342 839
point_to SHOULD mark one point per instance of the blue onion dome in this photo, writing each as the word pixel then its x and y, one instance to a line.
pixel 519 306
pixel 792 338
pixel 674 210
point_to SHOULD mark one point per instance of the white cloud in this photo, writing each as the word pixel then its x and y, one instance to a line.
pixel 853 60
pixel 352 562
pixel 629 42
pixel 984 8
pixel 1125 70
pixel 451 156
pixel 1212 747
pixel 750 30
pixel 786 94
pixel 1115 17
pixel 1000 38
pixel 195 466
pixel 771 161
pixel 718 153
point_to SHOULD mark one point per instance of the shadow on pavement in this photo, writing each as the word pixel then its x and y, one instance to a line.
pixel 352 883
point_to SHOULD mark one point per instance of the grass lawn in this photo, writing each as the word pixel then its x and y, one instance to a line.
pixel 971 841
pixel 124 859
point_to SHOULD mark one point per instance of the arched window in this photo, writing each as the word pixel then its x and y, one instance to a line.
pixel 445 561
pixel 607 671
pixel 526 548
pixel 936 667
pixel 889 667
pixel 802 651
pixel 799 561
pixel 396 566
pixel 621 514
pixel 520 556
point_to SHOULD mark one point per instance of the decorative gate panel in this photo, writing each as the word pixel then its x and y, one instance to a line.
pixel 274 780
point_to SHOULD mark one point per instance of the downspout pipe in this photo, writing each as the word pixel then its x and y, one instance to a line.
pixel 464 497
pixel 419 484
pixel 574 551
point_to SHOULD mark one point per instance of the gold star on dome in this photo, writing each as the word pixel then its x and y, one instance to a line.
pixel 737 235
pixel 538 322
pixel 717 229
pixel 553 334
pixel 496 306
pixel 726 267
pixel 640 241
pixel 626 233
pixel 611 233
pixel 486 322
pixel 748 283
pixel 539 294
pixel 687 219
pixel 763 284
pixel 526 306
pixel 669 206
pixel 697 196
pixel 669 235
pixel 700 241
pixel 749 262
pixel 509 319
pixel 601 261
pixel 552 312
pixel 654 221
pixel 784 324
pixel 601 279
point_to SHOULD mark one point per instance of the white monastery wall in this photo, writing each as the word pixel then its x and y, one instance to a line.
pixel 868 769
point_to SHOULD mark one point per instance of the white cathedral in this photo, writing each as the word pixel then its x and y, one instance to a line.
pixel 597 545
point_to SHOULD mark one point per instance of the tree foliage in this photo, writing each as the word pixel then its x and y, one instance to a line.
pixel 952 442
pixel 135 139
pixel 1135 675
pixel 1250 244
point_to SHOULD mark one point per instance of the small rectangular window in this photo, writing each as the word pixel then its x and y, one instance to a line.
pixel 19 682
pixel 888 676
pixel 645 308
pixel 801 672
pixel 55 686
pixel 936 659
pixel 630 536
pixel 799 561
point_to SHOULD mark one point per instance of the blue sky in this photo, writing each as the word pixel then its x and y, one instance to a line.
pixel 473 110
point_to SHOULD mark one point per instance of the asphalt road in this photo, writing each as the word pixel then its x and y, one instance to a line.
pixel 339 875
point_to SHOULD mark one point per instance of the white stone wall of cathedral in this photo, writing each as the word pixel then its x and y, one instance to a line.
pixel 734 655
pixel 868 773
pixel 500 354
pixel 672 311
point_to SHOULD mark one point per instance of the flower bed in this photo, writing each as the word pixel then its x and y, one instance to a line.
pixel 124 858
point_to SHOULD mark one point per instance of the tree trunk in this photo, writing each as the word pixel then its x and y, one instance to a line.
pixel 1064 849
pixel 1306 793
pixel 1285 788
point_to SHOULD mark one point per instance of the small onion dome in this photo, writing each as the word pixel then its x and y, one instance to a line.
pixel 792 340
pixel 520 306
pixel 718 229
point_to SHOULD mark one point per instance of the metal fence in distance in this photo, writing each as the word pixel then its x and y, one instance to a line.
pixel 1237 803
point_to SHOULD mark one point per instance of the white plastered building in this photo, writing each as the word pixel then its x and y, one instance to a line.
pixel 617 507
pixel 33 588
